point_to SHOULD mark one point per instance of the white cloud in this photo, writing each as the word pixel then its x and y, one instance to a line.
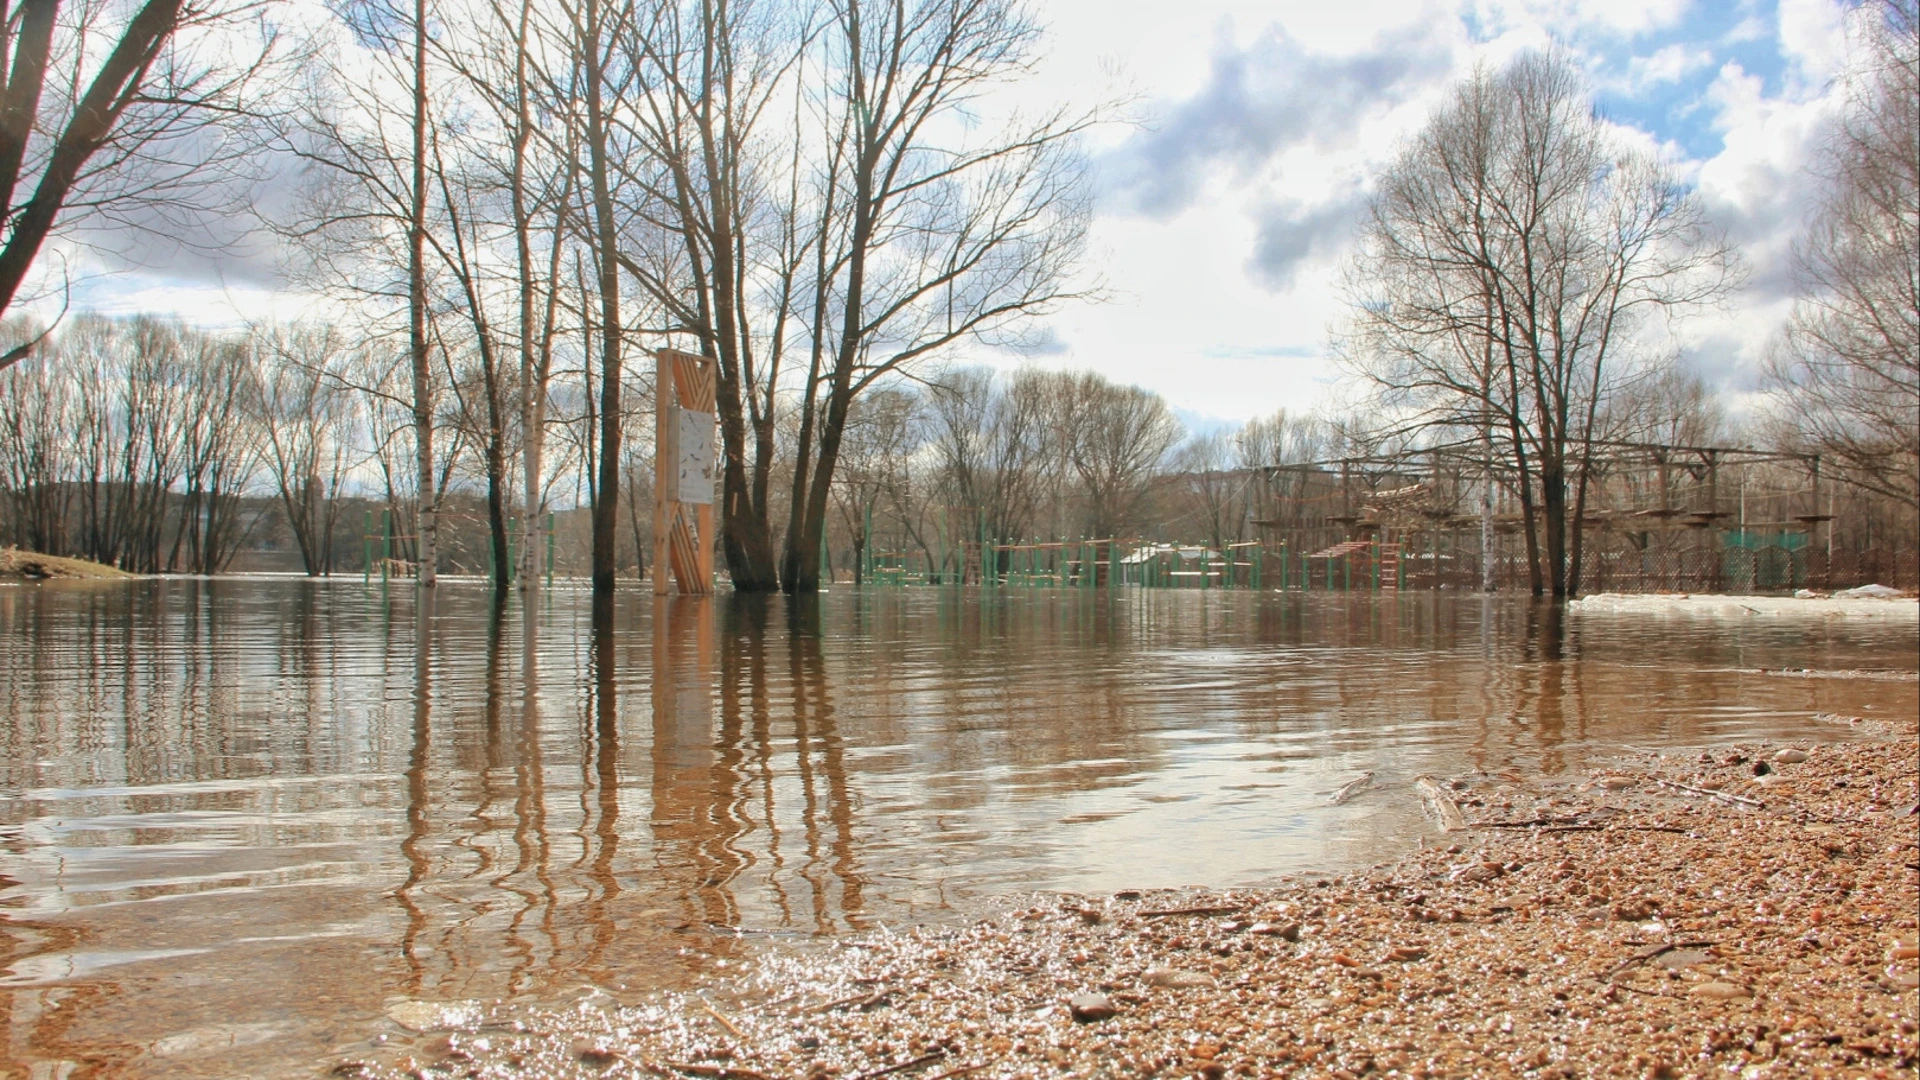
pixel 1668 65
pixel 1813 39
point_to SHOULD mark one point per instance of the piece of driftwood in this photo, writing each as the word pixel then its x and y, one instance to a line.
pixel 1205 909
pixel 713 1072
pixel 1351 788
pixel 724 1022
pixel 926 1059
pixel 1439 805
pixel 961 1071
pixel 1737 800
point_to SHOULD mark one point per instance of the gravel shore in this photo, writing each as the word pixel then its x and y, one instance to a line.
pixel 1742 911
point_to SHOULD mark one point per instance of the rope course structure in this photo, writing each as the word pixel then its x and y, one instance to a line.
pixel 1651 517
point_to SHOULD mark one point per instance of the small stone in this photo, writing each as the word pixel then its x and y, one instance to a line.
pixel 1790 756
pixel 1618 783
pixel 1175 979
pixel 1090 1007
pixel 1633 910
pixel 1680 958
pixel 1406 953
pixel 434 1015
pixel 1904 951
pixel 1721 991
pixel 594 1055
pixel 1289 931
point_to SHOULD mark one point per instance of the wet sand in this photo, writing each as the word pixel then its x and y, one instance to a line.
pixel 1675 915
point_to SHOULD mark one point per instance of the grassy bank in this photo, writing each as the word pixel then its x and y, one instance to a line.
pixel 1678 916
pixel 19 565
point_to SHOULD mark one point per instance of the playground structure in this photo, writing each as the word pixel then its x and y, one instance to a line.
pixel 1657 518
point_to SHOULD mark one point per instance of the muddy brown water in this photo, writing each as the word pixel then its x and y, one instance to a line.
pixel 242 819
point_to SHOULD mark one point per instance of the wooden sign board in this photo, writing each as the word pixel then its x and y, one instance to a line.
pixel 683 472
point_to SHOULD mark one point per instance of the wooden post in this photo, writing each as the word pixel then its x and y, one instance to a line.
pixel 683 472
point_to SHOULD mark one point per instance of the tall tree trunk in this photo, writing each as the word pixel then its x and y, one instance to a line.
pixel 533 374
pixel 1553 506
pixel 497 478
pixel 429 525
pixel 799 557
pixel 606 509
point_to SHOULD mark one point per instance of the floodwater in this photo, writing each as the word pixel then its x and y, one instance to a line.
pixel 240 819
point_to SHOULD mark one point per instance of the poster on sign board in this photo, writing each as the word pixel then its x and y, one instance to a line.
pixel 693 474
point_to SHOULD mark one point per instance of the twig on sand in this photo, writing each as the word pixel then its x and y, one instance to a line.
pixel 714 1072
pixel 862 1000
pixel 1440 806
pixel 1205 909
pixel 961 1071
pixel 1653 951
pixel 925 1059
pixel 724 1022
pixel 1529 824
pixel 1737 800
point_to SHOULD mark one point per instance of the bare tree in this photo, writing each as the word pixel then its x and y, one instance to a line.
pixel 1116 439
pixel 986 444
pixel 370 195
pixel 596 27
pixel 126 441
pixel 1509 267
pixel 884 432
pixel 928 240
pixel 715 67
pixel 106 108
pixel 37 432
pixel 1205 465
pixel 1847 369
pixel 219 451
pixel 307 415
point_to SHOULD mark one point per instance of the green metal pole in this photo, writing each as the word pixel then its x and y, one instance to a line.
pixel 386 543
pixel 366 551
pixel 1376 565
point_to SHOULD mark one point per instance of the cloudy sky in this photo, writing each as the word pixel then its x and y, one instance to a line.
pixel 1224 213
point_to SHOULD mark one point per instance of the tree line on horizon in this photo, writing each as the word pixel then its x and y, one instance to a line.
pixel 510 203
